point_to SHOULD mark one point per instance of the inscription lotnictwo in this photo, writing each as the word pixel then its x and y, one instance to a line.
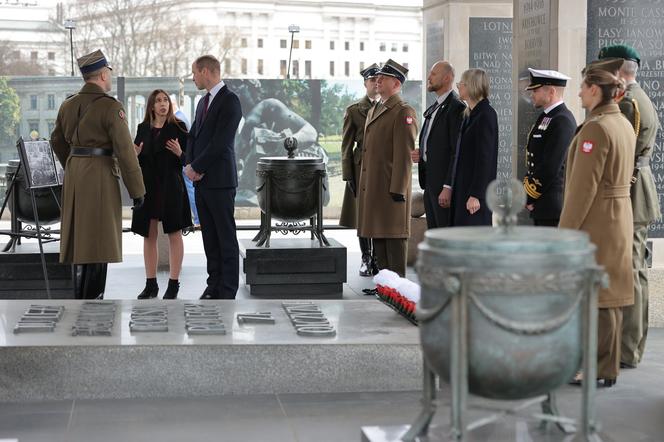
pixel 308 319
pixel 149 318
pixel 39 318
pixel 201 319
pixel 95 319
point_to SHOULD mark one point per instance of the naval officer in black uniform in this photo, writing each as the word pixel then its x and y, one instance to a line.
pixel 546 151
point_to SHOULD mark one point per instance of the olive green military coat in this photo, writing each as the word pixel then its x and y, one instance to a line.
pixel 91 225
pixel 639 110
pixel 597 182
pixel 389 138
pixel 351 156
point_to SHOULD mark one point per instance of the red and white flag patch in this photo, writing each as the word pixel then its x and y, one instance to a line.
pixel 409 120
pixel 587 146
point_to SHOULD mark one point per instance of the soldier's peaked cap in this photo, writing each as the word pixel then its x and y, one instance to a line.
pixel 620 51
pixel 393 69
pixel 370 72
pixel 92 62
pixel 541 77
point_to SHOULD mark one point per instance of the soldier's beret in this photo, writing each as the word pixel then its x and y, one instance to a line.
pixel 620 51
pixel 370 72
pixel 92 62
pixel 393 69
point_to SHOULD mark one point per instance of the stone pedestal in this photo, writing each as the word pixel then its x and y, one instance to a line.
pixel 294 268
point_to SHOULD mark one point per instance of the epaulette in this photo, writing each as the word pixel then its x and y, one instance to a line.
pixel 71 96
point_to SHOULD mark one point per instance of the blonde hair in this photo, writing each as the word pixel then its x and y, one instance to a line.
pixel 477 83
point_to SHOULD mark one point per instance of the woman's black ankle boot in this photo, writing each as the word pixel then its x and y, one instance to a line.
pixel 151 289
pixel 172 290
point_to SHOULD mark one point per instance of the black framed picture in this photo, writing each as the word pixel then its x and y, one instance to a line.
pixel 37 158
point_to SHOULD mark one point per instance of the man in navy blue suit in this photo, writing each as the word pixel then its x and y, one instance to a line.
pixel 211 166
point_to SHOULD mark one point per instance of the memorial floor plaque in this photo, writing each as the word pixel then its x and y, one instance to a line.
pixel 491 50
pixel 308 319
pixel 149 319
pixel 640 24
pixel 203 319
pixel 95 319
pixel 255 318
pixel 39 318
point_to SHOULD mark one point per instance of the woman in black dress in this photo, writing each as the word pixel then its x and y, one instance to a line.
pixel 477 152
pixel 160 143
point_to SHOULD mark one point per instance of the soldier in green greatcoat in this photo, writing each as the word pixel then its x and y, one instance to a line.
pixel 91 140
pixel 641 113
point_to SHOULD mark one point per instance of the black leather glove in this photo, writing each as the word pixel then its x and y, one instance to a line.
pixel 138 203
pixel 352 186
pixel 397 197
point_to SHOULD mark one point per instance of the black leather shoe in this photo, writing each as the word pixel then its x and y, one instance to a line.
pixel 149 292
pixel 626 365
pixel 172 290
pixel 209 294
pixel 370 292
pixel 366 266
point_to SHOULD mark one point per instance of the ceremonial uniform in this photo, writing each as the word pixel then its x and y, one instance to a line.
pixel 355 119
pixel 597 201
pixel 546 152
pixel 92 142
pixel 641 113
pixel 385 185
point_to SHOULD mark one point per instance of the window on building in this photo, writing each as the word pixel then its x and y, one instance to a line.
pixel 259 43
pixel 283 68
pixel 307 68
pixel 394 47
pixel 227 66
pixel 243 42
pixel 296 69
pixel 382 47
pixel 347 45
pixel 283 44
pixel 307 44
pixel 361 46
pixel 51 55
pixel 51 72
pixel 33 102
pixel 347 68
pixel 405 47
pixel 51 126
pixel 34 55
pixel 243 66
pixel 260 66
pixel 331 45
pixel 361 66
pixel 51 102
pixel 16 55
pixel 331 69
pixel 296 44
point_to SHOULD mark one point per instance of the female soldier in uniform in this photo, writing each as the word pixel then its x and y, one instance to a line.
pixel 159 144
pixel 597 201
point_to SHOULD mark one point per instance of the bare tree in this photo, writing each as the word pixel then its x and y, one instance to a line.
pixel 146 37
pixel 12 64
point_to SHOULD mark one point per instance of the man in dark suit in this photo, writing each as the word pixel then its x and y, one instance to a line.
pixel 546 151
pixel 438 138
pixel 211 166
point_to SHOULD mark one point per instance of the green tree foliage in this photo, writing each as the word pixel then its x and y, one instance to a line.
pixel 335 99
pixel 10 114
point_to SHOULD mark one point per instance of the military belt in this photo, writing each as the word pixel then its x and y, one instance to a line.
pixel 91 152
pixel 616 191
pixel 641 163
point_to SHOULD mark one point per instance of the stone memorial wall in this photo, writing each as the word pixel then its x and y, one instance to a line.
pixel 640 24
pixel 491 49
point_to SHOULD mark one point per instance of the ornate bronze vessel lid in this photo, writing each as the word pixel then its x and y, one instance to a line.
pixel 290 144
pixel 506 199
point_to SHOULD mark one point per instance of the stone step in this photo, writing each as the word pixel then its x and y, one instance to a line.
pixel 374 350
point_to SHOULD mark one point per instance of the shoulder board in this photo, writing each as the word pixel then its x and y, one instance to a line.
pixel 637 117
